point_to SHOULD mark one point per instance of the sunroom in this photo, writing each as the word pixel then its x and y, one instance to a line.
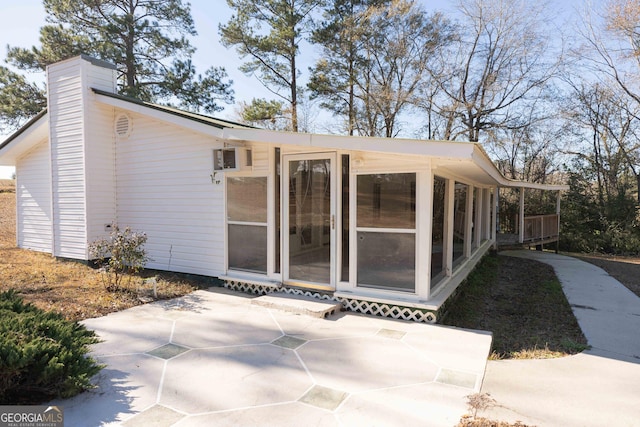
pixel 380 225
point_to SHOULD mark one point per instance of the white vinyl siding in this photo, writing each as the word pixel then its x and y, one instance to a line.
pixel 81 155
pixel 99 154
pixel 260 156
pixel 33 193
pixel 164 189
pixel 100 173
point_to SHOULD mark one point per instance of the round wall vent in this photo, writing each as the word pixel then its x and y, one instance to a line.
pixel 123 126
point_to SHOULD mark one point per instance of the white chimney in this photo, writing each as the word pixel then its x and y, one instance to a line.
pixel 82 153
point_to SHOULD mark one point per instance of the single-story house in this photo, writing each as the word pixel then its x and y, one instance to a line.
pixel 386 226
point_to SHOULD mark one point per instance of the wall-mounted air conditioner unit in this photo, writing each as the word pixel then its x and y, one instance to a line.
pixel 232 159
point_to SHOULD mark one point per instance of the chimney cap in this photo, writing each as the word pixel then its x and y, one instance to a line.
pixel 98 62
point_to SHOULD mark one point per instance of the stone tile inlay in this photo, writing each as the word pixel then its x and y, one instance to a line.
pixel 287 341
pixel 168 351
pixel 324 397
pixel 458 378
pixel 391 334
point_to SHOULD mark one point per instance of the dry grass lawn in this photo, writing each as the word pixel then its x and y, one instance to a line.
pixel 522 303
pixel 7 185
pixel 70 288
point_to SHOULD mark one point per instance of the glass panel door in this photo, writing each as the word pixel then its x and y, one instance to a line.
pixel 309 215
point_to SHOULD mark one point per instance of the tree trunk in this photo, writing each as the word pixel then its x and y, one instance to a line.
pixel 130 59
pixel 596 153
pixel 294 87
pixel 352 115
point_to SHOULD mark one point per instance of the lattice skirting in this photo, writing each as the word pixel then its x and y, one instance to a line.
pixel 249 288
pixel 351 304
pixel 389 310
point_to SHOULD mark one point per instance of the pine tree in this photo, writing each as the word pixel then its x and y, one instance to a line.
pixel 148 40
pixel 272 53
pixel 340 36
pixel 19 99
pixel 376 54
pixel 268 114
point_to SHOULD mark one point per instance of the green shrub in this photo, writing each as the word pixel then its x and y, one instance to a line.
pixel 120 255
pixel 42 355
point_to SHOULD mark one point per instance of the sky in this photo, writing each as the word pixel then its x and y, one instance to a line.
pixel 21 20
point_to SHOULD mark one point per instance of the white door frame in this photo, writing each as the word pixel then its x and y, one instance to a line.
pixel 286 159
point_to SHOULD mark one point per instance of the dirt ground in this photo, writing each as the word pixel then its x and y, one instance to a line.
pixel 72 289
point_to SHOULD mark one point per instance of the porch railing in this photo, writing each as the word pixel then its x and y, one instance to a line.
pixel 540 228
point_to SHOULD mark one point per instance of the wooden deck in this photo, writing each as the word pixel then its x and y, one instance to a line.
pixel 537 230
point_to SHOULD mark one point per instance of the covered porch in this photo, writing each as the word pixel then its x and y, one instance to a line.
pixel 529 216
pixel 385 228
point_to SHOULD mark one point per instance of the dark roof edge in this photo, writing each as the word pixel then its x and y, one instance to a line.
pixel 196 117
pixel 98 62
pixel 23 128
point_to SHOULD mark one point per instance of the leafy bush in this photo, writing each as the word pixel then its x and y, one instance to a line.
pixel 42 355
pixel 607 223
pixel 120 255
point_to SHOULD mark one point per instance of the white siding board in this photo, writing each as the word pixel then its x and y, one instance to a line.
pixel 385 163
pixel 164 189
pixel 34 200
pixel 260 157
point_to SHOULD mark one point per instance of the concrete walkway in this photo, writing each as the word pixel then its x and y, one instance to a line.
pixel 598 387
pixel 214 358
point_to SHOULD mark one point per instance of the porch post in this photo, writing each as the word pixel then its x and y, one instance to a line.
pixel 494 223
pixel 521 217
pixel 424 218
pixel 271 214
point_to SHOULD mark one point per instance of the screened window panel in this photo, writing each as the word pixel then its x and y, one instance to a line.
pixel 459 221
pixel 247 248
pixel 437 227
pixel 387 200
pixel 387 260
pixel 474 227
pixel 247 199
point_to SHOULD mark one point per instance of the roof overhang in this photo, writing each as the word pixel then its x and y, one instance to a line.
pixel 466 160
pixel 24 139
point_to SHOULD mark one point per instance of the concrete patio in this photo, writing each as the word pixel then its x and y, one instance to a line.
pixel 214 358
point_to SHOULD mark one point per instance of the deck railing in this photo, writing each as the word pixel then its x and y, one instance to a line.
pixel 540 228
